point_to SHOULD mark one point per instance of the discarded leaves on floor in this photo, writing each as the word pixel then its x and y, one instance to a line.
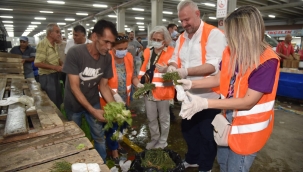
pixel 157 158
pixel 61 166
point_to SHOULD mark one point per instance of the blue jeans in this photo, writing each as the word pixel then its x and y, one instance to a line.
pixel 230 161
pixel 113 145
pixel 96 128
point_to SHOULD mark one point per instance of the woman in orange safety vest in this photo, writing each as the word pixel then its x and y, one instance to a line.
pixel 157 101
pixel 248 83
pixel 123 76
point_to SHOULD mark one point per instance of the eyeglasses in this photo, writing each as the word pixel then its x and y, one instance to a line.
pixel 119 38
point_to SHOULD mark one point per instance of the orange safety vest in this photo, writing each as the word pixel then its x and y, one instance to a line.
pixel 207 28
pixel 163 90
pixel 250 129
pixel 113 82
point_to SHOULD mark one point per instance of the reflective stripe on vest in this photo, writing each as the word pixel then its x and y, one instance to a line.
pixel 259 108
pixel 250 128
pixel 163 90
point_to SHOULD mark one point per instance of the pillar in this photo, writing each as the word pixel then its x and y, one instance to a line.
pixel 121 20
pixel 156 13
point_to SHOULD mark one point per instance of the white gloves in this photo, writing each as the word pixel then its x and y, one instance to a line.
pixel 139 85
pixel 186 84
pixel 160 68
pixel 195 104
pixel 182 72
pixel 171 68
pixel 118 98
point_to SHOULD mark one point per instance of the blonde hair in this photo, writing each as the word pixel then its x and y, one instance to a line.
pixel 244 29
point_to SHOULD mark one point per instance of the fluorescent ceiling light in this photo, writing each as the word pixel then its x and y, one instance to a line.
pixel 46 12
pixel 112 16
pixel 125 25
pixel 9 25
pixel 8 17
pixel 7 22
pixel 142 29
pixel 209 4
pixel 127 28
pixel 167 12
pixel 69 19
pixel 69 29
pixel 141 26
pixel 40 18
pixel 56 2
pixel 163 19
pixel 28 30
pixel 82 14
pixel 6 9
pixel 92 28
pixel 10 34
pixel 138 9
pixel 61 23
pixel 35 22
pixel 139 18
pixel 100 5
pixel 94 20
pixel 87 24
pixel 140 23
pixel 179 21
pixel 271 16
pixel 44 30
pixel 213 18
pixel 32 25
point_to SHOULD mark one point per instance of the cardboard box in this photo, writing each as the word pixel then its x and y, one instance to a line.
pixel 291 63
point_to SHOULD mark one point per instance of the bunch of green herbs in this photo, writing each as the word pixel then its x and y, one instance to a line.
pixel 171 76
pixel 61 166
pixel 142 91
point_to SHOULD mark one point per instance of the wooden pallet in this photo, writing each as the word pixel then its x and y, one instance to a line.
pixel 11 63
pixel 40 153
pixel 18 124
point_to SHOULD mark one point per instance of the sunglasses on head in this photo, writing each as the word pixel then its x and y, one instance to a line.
pixel 119 38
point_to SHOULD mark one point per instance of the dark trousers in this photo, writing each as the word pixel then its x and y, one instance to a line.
pixel 198 134
pixel 51 85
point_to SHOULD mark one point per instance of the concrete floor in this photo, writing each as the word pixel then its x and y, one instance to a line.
pixel 282 153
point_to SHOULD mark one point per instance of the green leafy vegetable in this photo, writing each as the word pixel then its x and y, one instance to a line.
pixel 80 146
pixel 116 113
pixel 141 91
pixel 171 76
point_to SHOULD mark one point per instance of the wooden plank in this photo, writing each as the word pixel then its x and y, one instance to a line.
pixel 12 75
pixel 88 156
pixel 10 60
pixel 45 108
pixel 2 86
pixel 16 118
pixel 13 161
pixel 11 65
pixel 9 55
pixel 72 131
pixel 11 70
pixel 28 113
pixel 36 122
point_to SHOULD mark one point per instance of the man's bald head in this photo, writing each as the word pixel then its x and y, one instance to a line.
pixel 288 38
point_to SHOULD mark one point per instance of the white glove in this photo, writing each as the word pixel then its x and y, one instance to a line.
pixel 182 72
pixel 171 68
pixel 118 98
pixel 139 85
pixel 186 84
pixel 196 104
pixel 160 68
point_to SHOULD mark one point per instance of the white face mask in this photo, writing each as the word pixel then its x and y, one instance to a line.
pixel 156 44
pixel 174 34
pixel 121 53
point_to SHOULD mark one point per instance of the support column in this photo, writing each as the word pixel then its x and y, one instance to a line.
pixel 232 5
pixel 66 33
pixel 156 15
pixel 121 20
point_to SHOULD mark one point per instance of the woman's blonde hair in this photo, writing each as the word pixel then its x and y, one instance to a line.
pixel 244 29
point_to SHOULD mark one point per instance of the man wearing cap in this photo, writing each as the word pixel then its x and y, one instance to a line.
pixel 28 54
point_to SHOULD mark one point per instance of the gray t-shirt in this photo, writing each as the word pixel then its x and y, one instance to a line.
pixel 132 47
pixel 28 53
pixel 80 62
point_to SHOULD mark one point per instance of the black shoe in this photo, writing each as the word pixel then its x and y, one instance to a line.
pixel 122 151
pixel 116 160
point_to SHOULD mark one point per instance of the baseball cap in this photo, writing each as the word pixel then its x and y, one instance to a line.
pixel 23 38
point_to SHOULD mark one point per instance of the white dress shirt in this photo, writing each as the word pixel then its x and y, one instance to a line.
pixel 71 43
pixel 191 55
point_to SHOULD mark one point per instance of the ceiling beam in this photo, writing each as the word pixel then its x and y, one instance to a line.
pixel 281 6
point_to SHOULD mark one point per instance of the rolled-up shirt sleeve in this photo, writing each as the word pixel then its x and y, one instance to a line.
pixel 215 46
pixel 174 57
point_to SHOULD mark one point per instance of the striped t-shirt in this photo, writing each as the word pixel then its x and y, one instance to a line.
pixel 48 54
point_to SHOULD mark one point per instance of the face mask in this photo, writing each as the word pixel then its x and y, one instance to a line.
pixel 156 44
pixel 174 34
pixel 121 53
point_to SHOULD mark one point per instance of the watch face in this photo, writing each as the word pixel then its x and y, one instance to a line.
pixel 222 3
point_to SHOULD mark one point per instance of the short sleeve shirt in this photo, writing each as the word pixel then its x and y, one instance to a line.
pixel 48 54
pixel 28 53
pixel 90 71
pixel 132 47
